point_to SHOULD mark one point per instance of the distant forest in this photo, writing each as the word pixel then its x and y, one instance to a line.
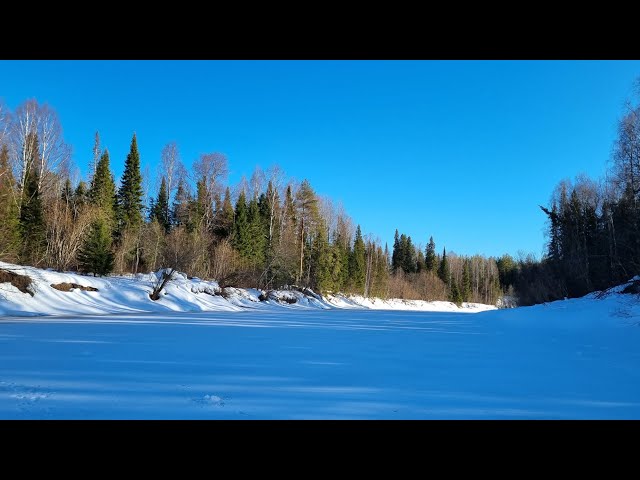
pixel 272 232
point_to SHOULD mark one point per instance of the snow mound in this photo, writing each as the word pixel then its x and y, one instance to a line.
pixel 126 294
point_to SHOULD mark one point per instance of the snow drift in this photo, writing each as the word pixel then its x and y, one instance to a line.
pixel 55 293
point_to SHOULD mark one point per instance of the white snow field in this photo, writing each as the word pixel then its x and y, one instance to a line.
pixel 574 359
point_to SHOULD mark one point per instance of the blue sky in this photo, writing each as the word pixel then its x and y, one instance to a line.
pixel 461 150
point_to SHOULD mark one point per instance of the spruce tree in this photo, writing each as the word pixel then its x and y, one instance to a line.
pixel 32 223
pixel 130 193
pixel 224 217
pixel 180 212
pixel 257 237
pixel 160 207
pixel 357 268
pixel 397 254
pixel 102 192
pixel 430 256
pixel 443 271
pixel 96 256
pixel 454 295
pixel 241 240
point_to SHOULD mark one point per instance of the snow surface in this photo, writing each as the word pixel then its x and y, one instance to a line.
pixel 130 294
pixel 569 359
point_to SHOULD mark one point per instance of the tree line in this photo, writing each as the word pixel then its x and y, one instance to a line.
pixel 267 232
pixel 593 228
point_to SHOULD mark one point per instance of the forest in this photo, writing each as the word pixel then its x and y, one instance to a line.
pixel 593 228
pixel 270 231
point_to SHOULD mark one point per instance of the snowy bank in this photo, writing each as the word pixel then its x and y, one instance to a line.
pixel 55 293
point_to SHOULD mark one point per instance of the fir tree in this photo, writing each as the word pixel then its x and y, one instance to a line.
pixel 443 269
pixel 256 235
pixel 455 296
pixel 102 192
pixel 96 256
pixel 357 269
pixel 32 224
pixel 241 240
pixel 430 256
pixel 130 193
pixel 180 211
pixel 224 217
pixel 397 254
pixel 160 207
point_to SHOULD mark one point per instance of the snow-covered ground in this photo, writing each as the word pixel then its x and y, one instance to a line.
pixel 118 294
pixel 569 359
pixel 115 353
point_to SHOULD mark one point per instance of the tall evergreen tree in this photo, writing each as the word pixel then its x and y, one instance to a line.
pixel 241 240
pixel 32 223
pixel 180 212
pixel 430 263
pixel 357 268
pixel 307 215
pixel 396 255
pixel 443 270
pixel 257 236
pixel 102 192
pixel 130 203
pixel 224 217
pixel 160 207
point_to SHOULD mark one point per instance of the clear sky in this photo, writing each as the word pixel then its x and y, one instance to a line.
pixel 461 150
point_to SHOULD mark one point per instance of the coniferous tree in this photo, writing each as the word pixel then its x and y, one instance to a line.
pixel 241 240
pixel 397 254
pixel 96 256
pixel 32 223
pixel 130 204
pixel 160 207
pixel 443 270
pixel 256 235
pixel 181 215
pixel 455 295
pixel 224 217
pixel 307 215
pixel 357 263
pixel 430 263
pixel 102 192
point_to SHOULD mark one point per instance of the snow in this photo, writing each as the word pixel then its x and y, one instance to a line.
pixel 130 294
pixel 240 358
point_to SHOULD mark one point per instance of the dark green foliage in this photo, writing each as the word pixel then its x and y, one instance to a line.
pixel 102 192
pixel 32 224
pixel 224 217
pixel 404 254
pixel 357 263
pixel 159 209
pixel 443 270
pixel 181 215
pixel 130 193
pixel 96 256
pixel 430 261
pixel 455 295
pixel 241 240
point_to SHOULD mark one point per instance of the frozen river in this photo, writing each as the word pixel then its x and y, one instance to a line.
pixel 314 364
